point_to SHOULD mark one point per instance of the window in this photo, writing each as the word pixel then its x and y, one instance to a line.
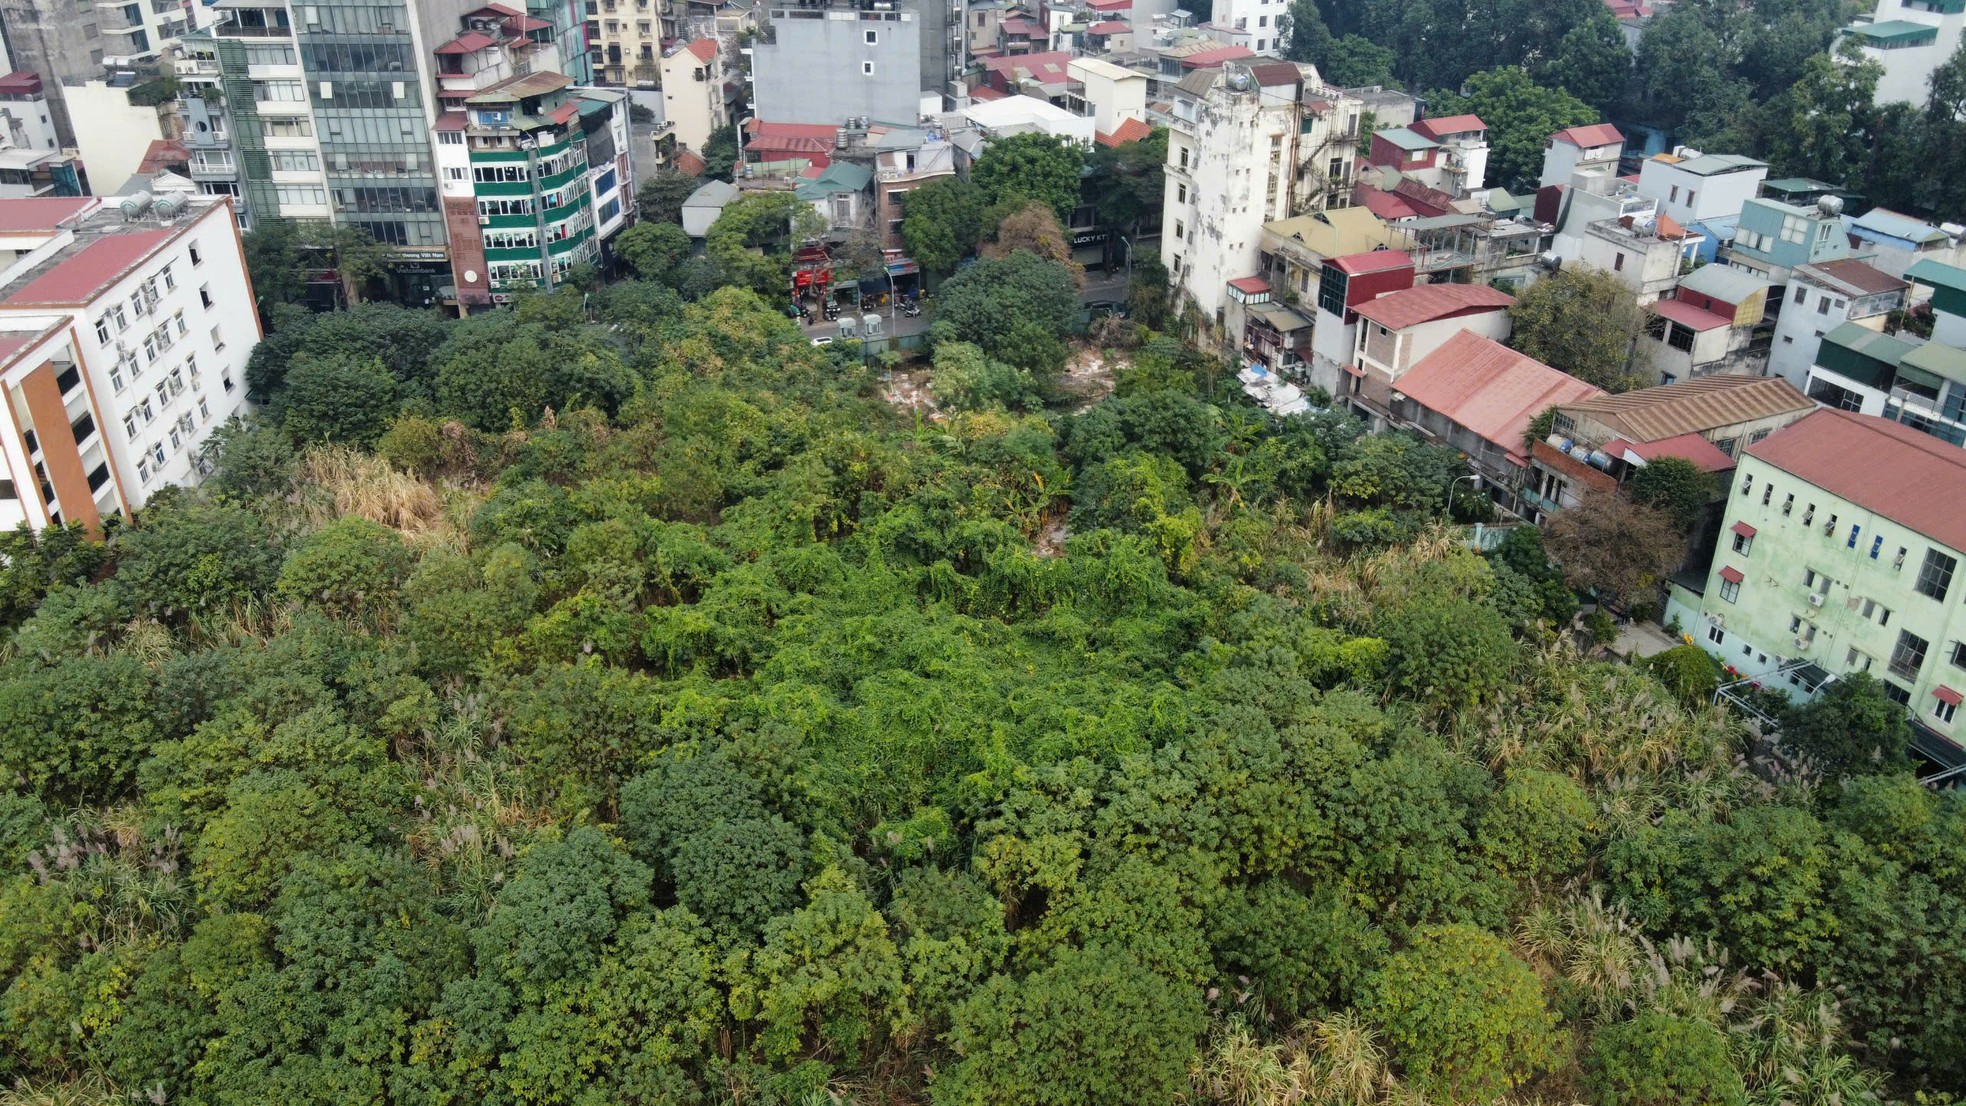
pixel 218 342
pixel 872 38
pixel 1852 542
pixel 1180 197
pixel 866 68
pixel 1811 579
pixel 170 279
pixel 116 376
pixel 143 469
pixel 1958 657
pixel 1908 656
pixel 1726 445
pixel 1618 263
pixel 1747 484
pixel 1689 197
pixel 1856 662
pixel 1822 306
pixel 205 296
pixel 102 330
pixel 1179 229
pixel 1876 544
pixel 1767 494
pixel 1262 21
pixel 1935 576
pixel 454 172
pixel 1716 635
pixel 204 412
pixel 1943 710
pixel 197 258
pixel 1730 590
pixel 1896 694
pixel 177 318
pixel 1743 543
pixel 1673 197
pixel 1809 515
pixel 1183 152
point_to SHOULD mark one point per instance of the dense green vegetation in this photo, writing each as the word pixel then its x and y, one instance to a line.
pixel 635 709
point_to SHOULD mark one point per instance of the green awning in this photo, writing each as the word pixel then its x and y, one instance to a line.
pixel 1896 32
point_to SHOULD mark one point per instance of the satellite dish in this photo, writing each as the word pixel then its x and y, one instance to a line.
pixel 470 276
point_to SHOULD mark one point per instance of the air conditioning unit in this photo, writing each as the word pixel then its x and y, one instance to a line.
pixel 484 220
pixel 1815 600
pixel 1802 643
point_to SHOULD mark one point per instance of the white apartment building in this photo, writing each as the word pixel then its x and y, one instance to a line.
pixel 1111 94
pixel 125 325
pixel 1248 145
pixel 1262 21
pixel 1692 187
pixel 1822 297
pixel 1910 39
pixel 693 92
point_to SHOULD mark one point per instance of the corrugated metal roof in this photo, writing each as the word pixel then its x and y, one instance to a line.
pixel 1900 469
pixel 1893 225
pixel 1936 357
pixel 1406 139
pixel 1723 282
pixel 1707 165
pixel 41 214
pixel 1857 278
pixel 1871 343
pixel 1686 447
pixel 1603 134
pixel 1489 388
pixel 1896 32
pixel 1449 124
pixel 1692 407
pixel 1685 314
pixel 1428 302
pixel 1924 271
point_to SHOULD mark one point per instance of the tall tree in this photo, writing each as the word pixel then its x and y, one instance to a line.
pixel 1617 548
pixel 1027 167
pixel 1592 62
pixel 661 197
pixel 941 222
pixel 1582 321
pixel 1520 115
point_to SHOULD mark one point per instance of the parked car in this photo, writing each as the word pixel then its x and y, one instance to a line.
pixel 824 340
pixel 1106 307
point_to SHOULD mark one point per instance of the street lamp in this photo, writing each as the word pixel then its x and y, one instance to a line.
pixel 1447 508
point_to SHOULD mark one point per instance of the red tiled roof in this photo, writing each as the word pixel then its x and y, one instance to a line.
pixel 1426 200
pixel 1382 203
pixel 21 82
pixel 1110 5
pixel 1448 124
pixel 520 24
pixel 1208 59
pixel 1732 575
pixel 565 112
pixel 493 9
pixel 451 121
pixel 1018 25
pixel 985 92
pixel 689 164
pixel 792 138
pixel 1252 285
pixel 1424 303
pixel 1601 134
pixel 44 214
pixel 1490 389
pixel 1108 27
pixel 1048 67
pixel 1900 473
pixel 703 48
pixel 1687 447
pixel 1371 261
pixel 467 43
pixel 1668 228
pixel 1699 318
pixel 92 268
pixel 1129 130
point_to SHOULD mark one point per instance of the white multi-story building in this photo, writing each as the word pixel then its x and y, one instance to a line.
pixel 1910 39
pixel 1594 147
pixel 125 325
pixel 1249 144
pixel 1692 187
pixel 693 92
pixel 1822 297
pixel 1258 24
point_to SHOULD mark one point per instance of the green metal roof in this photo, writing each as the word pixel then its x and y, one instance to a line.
pixel 1871 343
pixel 1937 273
pixel 1938 359
pixel 1406 139
pixel 1896 32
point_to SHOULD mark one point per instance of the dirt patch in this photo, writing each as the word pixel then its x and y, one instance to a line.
pixel 908 390
pixel 1088 376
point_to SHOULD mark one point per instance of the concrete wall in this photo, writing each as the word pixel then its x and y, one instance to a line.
pixel 816 70
pixel 115 133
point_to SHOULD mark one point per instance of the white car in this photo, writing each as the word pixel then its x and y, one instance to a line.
pixel 825 340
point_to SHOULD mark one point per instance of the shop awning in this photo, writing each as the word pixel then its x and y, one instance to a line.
pixel 1947 695
pixel 1744 529
pixel 1732 575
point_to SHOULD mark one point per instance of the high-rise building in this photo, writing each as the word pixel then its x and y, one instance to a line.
pixel 1251 143
pixel 536 173
pixel 331 110
pixel 125 325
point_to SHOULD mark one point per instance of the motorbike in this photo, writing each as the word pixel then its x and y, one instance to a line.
pixel 911 308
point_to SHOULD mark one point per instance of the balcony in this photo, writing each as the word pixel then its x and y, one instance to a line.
pixel 214 167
